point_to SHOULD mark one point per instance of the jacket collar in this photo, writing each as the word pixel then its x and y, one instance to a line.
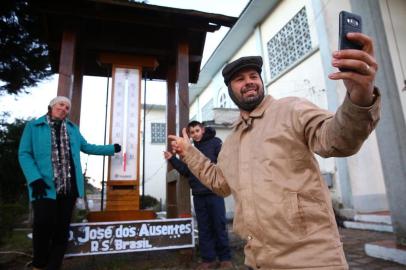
pixel 43 121
pixel 258 112
pixel 209 133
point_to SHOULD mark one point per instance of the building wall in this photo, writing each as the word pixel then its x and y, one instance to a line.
pixel 216 91
pixel 155 169
pixel 365 168
pixel 393 15
pixel 358 177
pixel 222 133
pixel 220 93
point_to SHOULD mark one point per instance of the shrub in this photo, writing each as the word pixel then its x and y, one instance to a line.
pixel 10 216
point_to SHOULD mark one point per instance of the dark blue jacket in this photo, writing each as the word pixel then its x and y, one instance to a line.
pixel 210 146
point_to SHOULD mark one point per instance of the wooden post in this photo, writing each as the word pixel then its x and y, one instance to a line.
pixel 74 115
pixel 182 75
pixel 66 63
pixel 171 207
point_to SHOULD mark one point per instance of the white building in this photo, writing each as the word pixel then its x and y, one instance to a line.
pixel 155 144
pixel 296 39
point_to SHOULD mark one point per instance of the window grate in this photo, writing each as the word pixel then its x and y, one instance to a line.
pixel 290 44
pixel 158 133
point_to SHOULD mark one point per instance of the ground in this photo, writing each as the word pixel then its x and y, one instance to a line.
pixel 353 240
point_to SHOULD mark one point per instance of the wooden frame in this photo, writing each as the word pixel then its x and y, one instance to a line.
pixel 137 171
pixel 124 195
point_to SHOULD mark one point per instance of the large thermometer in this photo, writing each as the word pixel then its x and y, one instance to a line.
pixel 125 123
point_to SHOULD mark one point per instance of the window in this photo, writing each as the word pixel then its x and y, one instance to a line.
pixel 290 44
pixel 223 100
pixel 158 133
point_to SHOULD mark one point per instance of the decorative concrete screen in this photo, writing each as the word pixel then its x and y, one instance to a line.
pixel 158 133
pixel 290 44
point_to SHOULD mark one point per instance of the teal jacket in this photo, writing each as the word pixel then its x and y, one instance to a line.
pixel 34 154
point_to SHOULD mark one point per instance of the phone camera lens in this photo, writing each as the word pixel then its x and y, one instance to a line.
pixel 352 22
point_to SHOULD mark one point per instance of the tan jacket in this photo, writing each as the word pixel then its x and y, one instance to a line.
pixel 282 204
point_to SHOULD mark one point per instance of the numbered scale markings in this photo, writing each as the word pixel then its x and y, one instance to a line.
pixel 125 123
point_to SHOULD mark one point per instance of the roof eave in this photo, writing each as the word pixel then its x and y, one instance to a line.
pixel 255 12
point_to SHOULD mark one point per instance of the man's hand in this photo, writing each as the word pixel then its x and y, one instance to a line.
pixel 167 155
pixel 180 144
pixel 359 80
pixel 39 188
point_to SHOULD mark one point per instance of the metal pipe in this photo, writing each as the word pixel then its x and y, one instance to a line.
pixel 143 142
pixel 105 137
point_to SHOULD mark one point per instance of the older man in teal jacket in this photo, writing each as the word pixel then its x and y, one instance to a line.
pixel 49 156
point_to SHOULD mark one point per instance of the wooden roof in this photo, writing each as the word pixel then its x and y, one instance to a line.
pixel 126 27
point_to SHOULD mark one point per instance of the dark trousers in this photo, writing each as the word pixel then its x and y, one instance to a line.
pixel 50 231
pixel 211 221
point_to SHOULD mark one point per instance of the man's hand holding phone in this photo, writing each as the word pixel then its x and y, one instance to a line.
pixel 357 67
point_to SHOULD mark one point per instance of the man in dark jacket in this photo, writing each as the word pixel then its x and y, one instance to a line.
pixel 209 208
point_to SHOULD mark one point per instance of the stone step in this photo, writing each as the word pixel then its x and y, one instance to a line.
pixel 371 226
pixel 386 250
pixel 377 217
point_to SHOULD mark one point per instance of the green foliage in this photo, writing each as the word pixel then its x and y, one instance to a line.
pixel 90 189
pixel 19 242
pixel 13 194
pixel 10 216
pixel 150 202
pixel 79 215
pixel 12 180
pixel 23 55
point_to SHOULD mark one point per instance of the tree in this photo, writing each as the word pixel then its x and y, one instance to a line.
pixel 12 180
pixel 150 202
pixel 13 192
pixel 23 55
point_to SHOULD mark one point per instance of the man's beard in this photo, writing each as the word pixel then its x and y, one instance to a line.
pixel 248 105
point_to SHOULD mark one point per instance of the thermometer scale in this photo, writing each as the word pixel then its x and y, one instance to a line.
pixel 125 123
pixel 124 149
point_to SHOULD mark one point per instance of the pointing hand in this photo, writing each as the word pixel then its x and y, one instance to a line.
pixel 180 144
pixel 167 155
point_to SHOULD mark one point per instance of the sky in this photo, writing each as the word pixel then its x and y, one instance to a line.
pixel 34 103
pixel 21 106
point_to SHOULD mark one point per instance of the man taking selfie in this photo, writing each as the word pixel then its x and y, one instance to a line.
pixel 282 205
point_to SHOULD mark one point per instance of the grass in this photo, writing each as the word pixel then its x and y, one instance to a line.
pixel 19 248
pixel 16 250
pixel 158 260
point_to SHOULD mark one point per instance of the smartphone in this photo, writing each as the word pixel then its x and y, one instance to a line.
pixel 349 22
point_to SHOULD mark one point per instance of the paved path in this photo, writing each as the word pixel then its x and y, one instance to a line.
pixel 353 240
